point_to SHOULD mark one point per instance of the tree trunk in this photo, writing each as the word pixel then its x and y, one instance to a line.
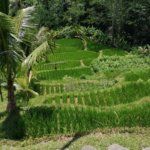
pixel 1 94
pixel 11 106
pixel 114 19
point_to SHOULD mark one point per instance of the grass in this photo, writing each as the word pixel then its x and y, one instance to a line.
pixel 134 75
pixel 134 139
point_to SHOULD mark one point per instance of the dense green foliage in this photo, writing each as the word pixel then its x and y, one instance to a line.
pixel 120 63
pixel 126 20
pixel 16 35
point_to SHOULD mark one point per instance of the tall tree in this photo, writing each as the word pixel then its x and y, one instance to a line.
pixel 7 57
pixel 12 34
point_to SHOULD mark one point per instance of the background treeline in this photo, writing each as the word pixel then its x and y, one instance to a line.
pixel 127 20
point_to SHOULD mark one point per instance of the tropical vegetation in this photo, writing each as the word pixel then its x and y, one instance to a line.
pixel 72 67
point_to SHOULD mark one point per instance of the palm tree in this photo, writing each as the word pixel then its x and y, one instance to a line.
pixel 8 57
pixel 13 32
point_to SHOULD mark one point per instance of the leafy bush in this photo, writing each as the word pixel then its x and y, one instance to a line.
pixel 107 64
pixel 82 32
pixel 142 50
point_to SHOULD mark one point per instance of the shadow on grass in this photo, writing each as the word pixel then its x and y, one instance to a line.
pixel 75 138
pixel 13 126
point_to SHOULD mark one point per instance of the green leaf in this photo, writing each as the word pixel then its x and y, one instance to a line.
pixel 36 55
pixel 7 23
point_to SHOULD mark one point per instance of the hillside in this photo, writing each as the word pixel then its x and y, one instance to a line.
pixel 81 91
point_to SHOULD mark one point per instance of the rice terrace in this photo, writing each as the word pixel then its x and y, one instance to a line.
pixel 74 80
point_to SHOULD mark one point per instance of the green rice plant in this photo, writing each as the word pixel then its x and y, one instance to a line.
pixel 48 66
pixel 65 97
pixel 94 99
pixel 47 89
pixel 58 65
pixel 74 63
pixel 89 85
pixel 114 51
pixel 70 86
pixel 40 88
pixel 81 119
pixel 66 56
pixel 80 99
pixel 59 74
pixel 113 96
pixel 88 61
pixel 67 45
pixel 134 75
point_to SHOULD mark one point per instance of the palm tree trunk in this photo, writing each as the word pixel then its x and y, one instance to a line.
pixel 11 106
pixel 4 7
pixel 113 21
pixel 1 94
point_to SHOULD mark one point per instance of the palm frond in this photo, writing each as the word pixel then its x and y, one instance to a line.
pixel 42 33
pixel 6 23
pixel 15 37
pixel 22 86
pixel 23 21
pixel 36 55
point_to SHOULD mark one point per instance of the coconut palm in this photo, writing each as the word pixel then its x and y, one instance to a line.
pixel 13 33
pixel 9 56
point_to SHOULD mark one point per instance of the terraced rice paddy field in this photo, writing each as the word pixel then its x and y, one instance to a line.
pixel 85 90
